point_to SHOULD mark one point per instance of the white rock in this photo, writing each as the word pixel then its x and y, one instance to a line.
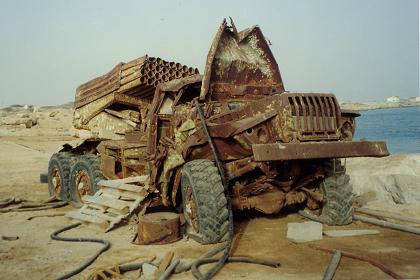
pixel 148 270
pixel 350 232
pixel 394 179
pixel 303 232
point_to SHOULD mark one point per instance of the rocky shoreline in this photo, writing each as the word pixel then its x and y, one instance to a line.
pixel 367 106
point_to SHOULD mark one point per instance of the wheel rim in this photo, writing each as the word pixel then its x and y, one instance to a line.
pixel 82 184
pixel 56 181
pixel 190 208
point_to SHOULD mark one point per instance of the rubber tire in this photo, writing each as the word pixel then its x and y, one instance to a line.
pixel 92 165
pixel 338 197
pixel 63 161
pixel 209 200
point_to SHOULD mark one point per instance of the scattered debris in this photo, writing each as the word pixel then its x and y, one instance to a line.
pixel 350 232
pixel 27 122
pixel 387 224
pixel 105 273
pixel 387 215
pixel 116 200
pixel 7 201
pixel 332 266
pixel 164 264
pixel 149 271
pixel 158 228
pixel 382 267
pixel 53 114
pixel 46 215
pixel 18 205
pixel 304 232
pixel 9 238
pixel 167 273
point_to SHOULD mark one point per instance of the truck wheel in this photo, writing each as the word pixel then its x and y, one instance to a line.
pixel 338 198
pixel 84 176
pixel 204 202
pixel 59 174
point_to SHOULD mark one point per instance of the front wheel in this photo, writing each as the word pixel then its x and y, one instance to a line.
pixel 84 177
pixel 338 198
pixel 204 202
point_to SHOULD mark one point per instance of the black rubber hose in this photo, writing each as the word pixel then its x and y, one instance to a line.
pixel 55 236
pixel 199 262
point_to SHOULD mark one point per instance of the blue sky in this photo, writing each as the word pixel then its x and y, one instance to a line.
pixel 361 50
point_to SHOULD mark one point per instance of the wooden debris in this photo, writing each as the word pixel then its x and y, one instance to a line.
pixel 166 261
pixel 115 201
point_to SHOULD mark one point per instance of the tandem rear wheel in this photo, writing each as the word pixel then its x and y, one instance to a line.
pixel 84 177
pixel 71 176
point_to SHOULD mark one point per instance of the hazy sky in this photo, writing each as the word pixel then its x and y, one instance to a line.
pixel 361 50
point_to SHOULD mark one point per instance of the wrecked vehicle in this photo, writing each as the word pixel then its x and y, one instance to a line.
pixel 277 149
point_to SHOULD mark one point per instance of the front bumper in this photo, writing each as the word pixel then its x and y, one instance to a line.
pixel 319 150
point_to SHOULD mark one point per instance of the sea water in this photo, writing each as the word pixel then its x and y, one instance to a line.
pixel 399 127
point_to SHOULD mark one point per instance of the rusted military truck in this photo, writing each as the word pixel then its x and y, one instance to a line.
pixel 277 149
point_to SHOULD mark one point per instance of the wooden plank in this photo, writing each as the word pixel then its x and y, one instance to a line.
pixel 119 205
pixel 99 214
pixel 136 204
pixel 133 179
pixel 115 211
pixel 121 194
pixel 125 187
pixel 88 218
pixel 100 207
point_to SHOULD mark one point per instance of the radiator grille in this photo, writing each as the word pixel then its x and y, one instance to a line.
pixel 315 116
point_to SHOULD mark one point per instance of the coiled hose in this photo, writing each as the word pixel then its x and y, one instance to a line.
pixel 55 236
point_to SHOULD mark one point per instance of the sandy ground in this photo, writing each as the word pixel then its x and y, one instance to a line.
pixel 25 154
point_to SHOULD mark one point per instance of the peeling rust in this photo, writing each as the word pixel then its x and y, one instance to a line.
pixel 273 144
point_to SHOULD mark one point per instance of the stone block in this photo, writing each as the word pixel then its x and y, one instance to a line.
pixel 304 232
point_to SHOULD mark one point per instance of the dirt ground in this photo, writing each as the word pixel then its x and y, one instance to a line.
pixel 25 154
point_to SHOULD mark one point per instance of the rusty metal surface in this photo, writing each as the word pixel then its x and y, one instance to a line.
pixel 268 203
pixel 273 144
pixel 158 228
pixel 137 78
pixel 240 64
pixel 178 84
pixel 314 116
pixel 317 150
pixel 98 87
